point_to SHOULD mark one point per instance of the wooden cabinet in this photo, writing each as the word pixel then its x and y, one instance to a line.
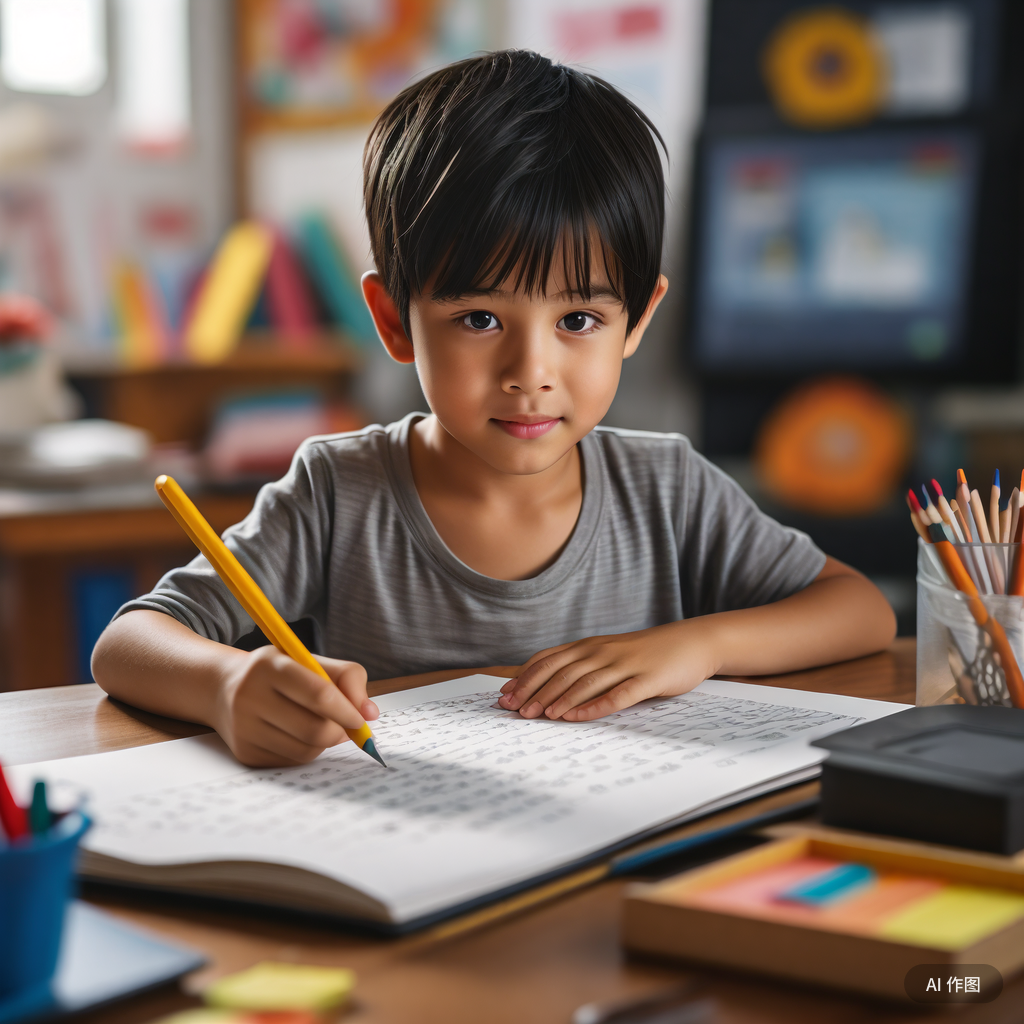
pixel 64 571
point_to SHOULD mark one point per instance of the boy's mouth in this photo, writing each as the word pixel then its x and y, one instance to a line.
pixel 527 431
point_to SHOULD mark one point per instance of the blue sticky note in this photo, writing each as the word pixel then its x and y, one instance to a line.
pixel 829 886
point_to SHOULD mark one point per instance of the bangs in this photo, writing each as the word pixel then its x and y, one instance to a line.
pixel 506 169
pixel 526 258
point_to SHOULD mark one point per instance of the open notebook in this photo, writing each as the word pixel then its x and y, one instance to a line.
pixel 476 801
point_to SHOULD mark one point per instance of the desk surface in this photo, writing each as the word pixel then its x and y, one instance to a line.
pixel 537 967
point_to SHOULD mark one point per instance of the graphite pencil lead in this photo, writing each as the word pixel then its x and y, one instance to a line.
pixel 370 748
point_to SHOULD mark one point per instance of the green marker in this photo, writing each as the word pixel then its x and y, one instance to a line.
pixel 39 817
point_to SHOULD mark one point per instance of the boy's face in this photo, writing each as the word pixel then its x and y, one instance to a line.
pixel 517 379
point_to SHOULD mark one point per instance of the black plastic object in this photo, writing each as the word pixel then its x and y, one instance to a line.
pixel 952 774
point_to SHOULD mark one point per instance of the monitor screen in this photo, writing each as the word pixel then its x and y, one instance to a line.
pixel 845 253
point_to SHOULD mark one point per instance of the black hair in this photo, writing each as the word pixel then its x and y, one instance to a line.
pixel 482 171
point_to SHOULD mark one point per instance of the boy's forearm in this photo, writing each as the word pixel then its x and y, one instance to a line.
pixel 835 618
pixel 152 661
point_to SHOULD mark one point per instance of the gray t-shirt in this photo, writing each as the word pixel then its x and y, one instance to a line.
pixel 344 540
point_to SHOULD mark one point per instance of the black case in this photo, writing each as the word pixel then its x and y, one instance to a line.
pixel 952 774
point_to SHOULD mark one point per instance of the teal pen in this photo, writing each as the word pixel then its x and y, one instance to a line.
pixel 39 817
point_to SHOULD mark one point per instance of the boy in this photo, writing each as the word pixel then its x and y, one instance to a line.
pixel 515 210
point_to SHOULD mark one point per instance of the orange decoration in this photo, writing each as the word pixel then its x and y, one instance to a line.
pixel 825 69
pixel 835 447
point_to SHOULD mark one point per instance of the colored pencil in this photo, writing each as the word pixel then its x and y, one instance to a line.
pixel 945 511
pixel 39 816
pixel 248 594
pixel 1016 586
pixel 915 518
pixel 961 579
pixel 964 529
pixel 979 517
pixel 995 524
pixel 12 816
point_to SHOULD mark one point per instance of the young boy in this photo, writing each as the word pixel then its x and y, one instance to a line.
pixel 516 213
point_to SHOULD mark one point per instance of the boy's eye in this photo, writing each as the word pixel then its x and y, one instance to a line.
pixel 480 320
pixel 577 322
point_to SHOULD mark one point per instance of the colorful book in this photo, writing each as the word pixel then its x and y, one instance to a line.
pixel 142 328
pixel 333 277
pixel 288 300
pixel 227 296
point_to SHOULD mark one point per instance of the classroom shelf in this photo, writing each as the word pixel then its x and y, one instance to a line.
pixel 175 401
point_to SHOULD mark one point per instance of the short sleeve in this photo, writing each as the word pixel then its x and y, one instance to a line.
pixel 282 544
pixel 733 555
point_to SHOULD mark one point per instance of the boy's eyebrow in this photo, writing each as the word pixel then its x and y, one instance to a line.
pixel 597 292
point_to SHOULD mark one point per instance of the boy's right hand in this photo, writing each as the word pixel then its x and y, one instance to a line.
pixel 272 712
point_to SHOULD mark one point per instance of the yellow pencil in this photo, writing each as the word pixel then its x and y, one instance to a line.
pixel 249 595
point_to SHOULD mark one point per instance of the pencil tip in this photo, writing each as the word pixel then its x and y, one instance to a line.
pixel 371 748
pixel 961 477
pixel 927 498
pixel 912 498
pixel 937 486
pixel 995 479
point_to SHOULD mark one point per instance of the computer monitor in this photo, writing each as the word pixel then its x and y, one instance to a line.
pixel 844 252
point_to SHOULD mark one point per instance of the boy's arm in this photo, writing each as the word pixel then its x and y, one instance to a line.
pixel 267 708
pixel 840 615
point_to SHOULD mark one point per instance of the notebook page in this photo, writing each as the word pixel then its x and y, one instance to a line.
pixel 474 799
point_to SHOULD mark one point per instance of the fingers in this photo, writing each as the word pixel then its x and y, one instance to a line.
pixel 539 656
pixel 553 668
pixel 350 678
pixel 625 694
pixel 298 722
pixel 587 686
pixel 265 746
pixel 281 712
pixel 315 694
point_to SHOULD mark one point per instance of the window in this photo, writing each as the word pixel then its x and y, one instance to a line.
pixel 53 46
pixel 153 73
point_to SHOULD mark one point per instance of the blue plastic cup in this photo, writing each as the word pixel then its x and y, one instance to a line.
pixel 36 877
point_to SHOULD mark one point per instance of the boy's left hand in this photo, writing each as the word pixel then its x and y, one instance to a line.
pixel 591 678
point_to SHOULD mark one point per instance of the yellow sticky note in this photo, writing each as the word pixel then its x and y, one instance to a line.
pixel 277 986
pixel 955 917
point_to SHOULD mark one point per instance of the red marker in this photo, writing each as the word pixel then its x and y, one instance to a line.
pixel 12 817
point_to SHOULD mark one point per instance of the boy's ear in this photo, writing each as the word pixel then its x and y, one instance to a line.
pixel 386 319
pixel 633 340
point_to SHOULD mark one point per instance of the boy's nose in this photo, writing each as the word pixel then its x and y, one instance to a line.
pixel 529 367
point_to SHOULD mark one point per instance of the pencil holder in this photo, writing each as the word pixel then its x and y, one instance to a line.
pixel 955 657
pixel 35 885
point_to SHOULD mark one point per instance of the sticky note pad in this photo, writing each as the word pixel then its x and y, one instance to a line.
pixel 955 917
pixel 203 1017
pixel 829 886
pixel 240 1017
pixel 279 986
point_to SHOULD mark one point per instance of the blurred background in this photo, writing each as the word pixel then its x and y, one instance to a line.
pixel 181 238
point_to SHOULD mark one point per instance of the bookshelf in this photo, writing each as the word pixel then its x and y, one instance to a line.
pixel 175 401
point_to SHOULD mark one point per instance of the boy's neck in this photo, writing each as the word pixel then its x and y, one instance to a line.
pixel 441 465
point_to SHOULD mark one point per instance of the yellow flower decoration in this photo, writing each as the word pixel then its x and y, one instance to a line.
pixel 824 69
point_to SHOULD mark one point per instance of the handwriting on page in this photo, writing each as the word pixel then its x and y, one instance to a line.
pixel 464 763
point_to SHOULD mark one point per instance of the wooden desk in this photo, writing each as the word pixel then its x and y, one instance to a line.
pixel 537 967
pixel 46 541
